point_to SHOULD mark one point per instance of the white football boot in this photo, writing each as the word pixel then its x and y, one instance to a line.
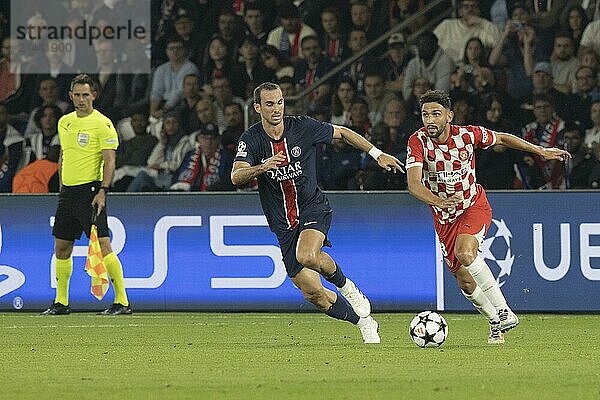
pixel 508 319
pixel 369 329
pixel 359 302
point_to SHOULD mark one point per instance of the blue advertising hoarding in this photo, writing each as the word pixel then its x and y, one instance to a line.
pixel 215 252
pixel 544 249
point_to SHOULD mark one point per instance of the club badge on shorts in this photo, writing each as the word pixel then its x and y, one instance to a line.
pixel 83 139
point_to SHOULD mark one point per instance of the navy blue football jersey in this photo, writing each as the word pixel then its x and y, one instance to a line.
pixel 291 189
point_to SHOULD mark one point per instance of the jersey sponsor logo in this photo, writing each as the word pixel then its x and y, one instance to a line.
pixel 285 172
pixel 241 150
pixel 83 139
pixel 296 151
pixel 463 155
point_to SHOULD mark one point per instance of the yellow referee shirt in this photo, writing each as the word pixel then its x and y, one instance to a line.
pixel 82 141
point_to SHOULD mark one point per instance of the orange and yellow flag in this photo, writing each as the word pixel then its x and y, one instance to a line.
pixel 94 266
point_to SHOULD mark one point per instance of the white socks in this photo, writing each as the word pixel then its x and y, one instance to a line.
pixel 482 303
pixel 482 275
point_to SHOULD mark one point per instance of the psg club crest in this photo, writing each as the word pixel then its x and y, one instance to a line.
pixel 296 151
pixel 463 155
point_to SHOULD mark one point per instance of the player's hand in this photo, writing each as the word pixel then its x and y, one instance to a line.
pixel 273 162
pixel 555 154
pixel 390 163
pixel 449 202
pixel 99 202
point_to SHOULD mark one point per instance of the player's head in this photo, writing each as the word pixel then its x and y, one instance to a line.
pixel 436 112
pixel 83 93
pixel 269 103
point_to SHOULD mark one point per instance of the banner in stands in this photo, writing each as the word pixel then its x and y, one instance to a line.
pixel 215 252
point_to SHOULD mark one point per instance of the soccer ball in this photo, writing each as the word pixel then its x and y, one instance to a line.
pixel 428 329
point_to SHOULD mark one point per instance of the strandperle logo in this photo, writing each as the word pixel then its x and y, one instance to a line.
pixel 85 31
pixel 80 36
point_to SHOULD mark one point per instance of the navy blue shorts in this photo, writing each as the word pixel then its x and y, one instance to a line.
pixel 288 240
pixel 74 213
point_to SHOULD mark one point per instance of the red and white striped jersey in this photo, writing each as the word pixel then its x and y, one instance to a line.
pixel 449 168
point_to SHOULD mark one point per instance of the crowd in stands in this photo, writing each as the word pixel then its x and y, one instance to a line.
pixel 528 67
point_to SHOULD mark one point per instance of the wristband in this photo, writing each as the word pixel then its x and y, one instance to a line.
pixel 105 188
pixel 375 152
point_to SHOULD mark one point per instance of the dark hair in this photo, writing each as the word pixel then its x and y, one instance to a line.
pixel 436 96
pixel 544 97
pixel 83 79
pixel 234 104
pixel 37 117
pixel 264 86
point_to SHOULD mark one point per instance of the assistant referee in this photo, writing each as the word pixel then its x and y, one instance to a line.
pixel 88 142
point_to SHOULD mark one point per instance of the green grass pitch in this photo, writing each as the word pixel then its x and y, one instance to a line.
pixel 292 356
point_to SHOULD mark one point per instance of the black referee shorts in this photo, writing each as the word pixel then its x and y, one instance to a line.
pixel 74 213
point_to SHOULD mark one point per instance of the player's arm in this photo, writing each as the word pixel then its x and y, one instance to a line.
pixel 242 172
pixel 109 157
pixel 386 161
pixel 417 189
pixel 514 142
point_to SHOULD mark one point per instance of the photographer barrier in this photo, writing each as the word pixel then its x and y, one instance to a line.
pixel 215 252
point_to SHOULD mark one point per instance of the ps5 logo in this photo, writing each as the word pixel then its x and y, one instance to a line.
pixel 14 278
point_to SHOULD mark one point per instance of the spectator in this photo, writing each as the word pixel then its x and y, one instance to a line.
pixel 234 126
pixel 543 84
pixel 133 89
pixel 57 70
pixel 578 169
pixel 217 63
pixel 288 89
pixel 48 93
pixel 12 141
pixel 312 66
pixel 588 58
pixel 255 23
pixel 275 62
pixel 133 154
pixel 453 33
pixel 395 63
pixel 221 90
pixel 341 102
pixel 419 86
pixel 587 91
pixel 591 37
pixel 38 144
pixel 362 18
pixel 377 96
pixel 399 10
pixel 515 51
pixel 592 135
pixel 546 130
pixel 106 80
pixel 333 39
pixel 431 62
pixel 495 165
pixel 395 129
pixel 545 18
pixel 185 27
pixel 165 159
pixel 357 40
pixel 564 64
pixel 574 20
pixel 41 176
pixel 249 69
pixel 359 117
pixel 287 37
pixel 207 167
pixel 167 84
pixel 228 24
pixel 186 108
